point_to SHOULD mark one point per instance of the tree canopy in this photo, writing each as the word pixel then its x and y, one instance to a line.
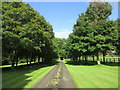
pixel 93 32
pixel 26 34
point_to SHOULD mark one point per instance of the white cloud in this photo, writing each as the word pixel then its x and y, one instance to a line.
pixel 64 33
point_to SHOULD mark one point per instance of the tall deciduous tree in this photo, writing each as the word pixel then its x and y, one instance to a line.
pixel 26 34
pixel 93 32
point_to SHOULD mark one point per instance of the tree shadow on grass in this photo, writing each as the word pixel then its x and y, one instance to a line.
pixel 32 64
pixel 82 62
pixel 111 64
pixel 90 63
pixel 18 77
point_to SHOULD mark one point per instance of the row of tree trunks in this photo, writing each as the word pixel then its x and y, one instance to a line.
pixel 103 60
pixel 15 60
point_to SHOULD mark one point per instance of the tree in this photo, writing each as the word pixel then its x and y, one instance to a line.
pixel 93 32
pixel 98 13
pixel 26 34
pixel 60 45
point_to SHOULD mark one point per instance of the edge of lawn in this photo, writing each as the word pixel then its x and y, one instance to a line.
pixel 116 67
pixel 71 76
pixel 39 76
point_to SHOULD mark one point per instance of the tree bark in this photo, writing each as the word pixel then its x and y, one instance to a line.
pixel 42 59
pixel 38 59
pixel 93 58
pixel 13 63
pixel 34 60
pixel 82 58
pixel 86 60
pixel 13 59
pixel 79 58
pixel 114 60
pixel 97 57
pixel 27 60
pixel 16 61
pixel 104 57
pixel 119 60
pixel 31 60
pixel 98 61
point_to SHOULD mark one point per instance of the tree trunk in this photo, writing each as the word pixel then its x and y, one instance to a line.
pixel 93 58
pixel 114 60
pixel 38 59
pixel 76 59
pixel 13 63
pixel 119 60
pixel 79 58
pixel 34 60
pixel 104 57
pixel 98 61
pixel 73 58
pixel 27 60
pixel 82 58
pixel 31 61
pixel 97 57
pixel 16 61
pixel 13 59
pixel 86 60
pixel 42 59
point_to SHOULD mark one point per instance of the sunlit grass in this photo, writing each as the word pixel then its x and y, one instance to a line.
pixel 97 76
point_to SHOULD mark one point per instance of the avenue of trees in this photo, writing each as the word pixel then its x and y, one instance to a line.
pixel 93 33
pixel 26 35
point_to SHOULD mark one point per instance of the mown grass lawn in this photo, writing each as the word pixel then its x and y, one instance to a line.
pixel 96 76
pixel 24 77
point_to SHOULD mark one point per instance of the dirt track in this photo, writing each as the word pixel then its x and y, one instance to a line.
pixel 58 77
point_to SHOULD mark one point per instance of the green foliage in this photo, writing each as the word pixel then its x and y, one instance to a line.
pixel 60 45
pixel 25 33
pixel 93 33
pixel 98 11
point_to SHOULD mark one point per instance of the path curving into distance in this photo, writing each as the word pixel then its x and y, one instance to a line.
pixel 58 77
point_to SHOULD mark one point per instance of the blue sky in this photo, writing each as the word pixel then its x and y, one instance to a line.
pixel 62 15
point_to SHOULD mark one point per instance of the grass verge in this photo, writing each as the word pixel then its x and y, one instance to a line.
pixel 24 77
pixel 96 76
